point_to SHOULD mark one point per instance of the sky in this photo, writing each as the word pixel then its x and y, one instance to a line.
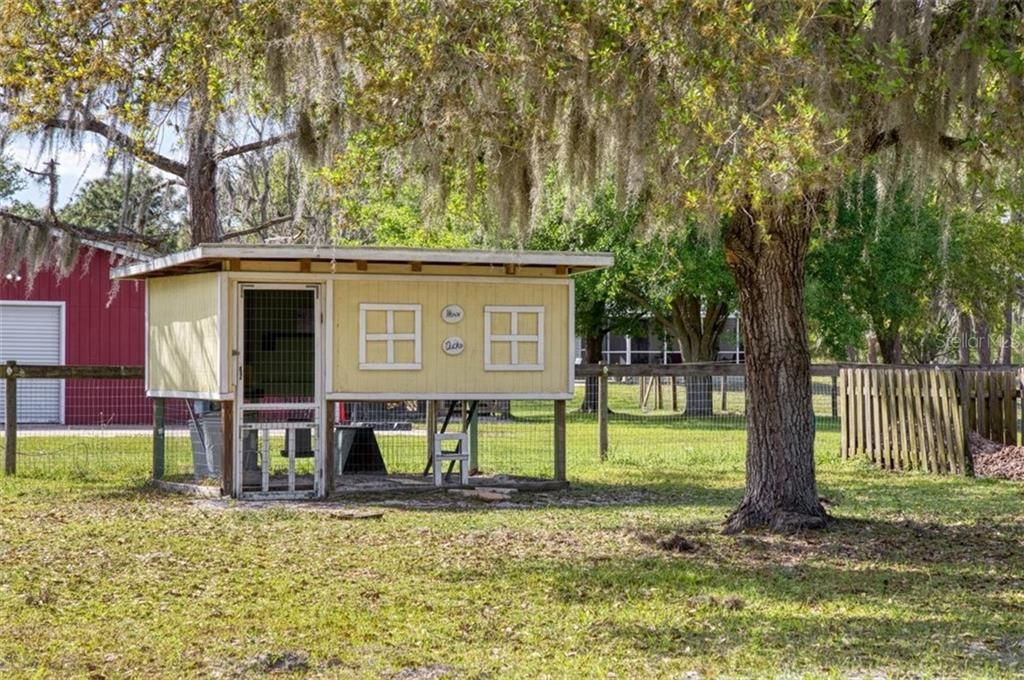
pixel 76 164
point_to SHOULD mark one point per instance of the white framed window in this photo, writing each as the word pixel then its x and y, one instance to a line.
pixel 513 338
pixel 390 337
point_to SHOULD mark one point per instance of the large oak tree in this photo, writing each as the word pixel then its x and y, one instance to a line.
pixel 159 84
pixel 749 112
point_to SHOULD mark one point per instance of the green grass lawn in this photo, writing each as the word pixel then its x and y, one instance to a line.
pixel 102 577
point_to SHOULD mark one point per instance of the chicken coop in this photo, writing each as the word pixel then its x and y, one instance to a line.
pixel 328 367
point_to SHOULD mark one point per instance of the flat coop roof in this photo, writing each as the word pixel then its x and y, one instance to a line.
pixel 211 257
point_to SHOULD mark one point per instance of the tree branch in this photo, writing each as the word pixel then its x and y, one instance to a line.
pixel 253 230
pixel 121 140
pixel 254 146
pixel 153 242
pixel 646 304
pixel 886 138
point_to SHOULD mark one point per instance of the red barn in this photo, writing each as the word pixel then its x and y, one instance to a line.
pixel 81 319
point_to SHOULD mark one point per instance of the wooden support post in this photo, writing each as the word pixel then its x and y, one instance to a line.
pixel 158 438
pixel 675 393
pixel 658 403
pixel 844 423
pixel 725 392
pixel 11 421
pixel 431 428
pixel 962 428
pixel 329 449
pixel 560 440
pixel 835 397
pixel 227 461
pixel 1020 395
pixel 473 429
pixel 602 412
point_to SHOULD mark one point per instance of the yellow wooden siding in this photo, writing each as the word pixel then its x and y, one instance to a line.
pixel 441 373
pixel 183 334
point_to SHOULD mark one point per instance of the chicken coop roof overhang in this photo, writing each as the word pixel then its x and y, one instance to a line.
pixel 216 257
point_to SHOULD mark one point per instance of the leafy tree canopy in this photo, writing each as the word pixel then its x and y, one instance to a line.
pixel 875 267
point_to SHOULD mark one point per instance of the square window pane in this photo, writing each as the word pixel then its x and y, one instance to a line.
pixel 405 322
pixel 527 323
pixel 501 352
pixel 376 352
pixel 501 323
pixel 527 352
pixel 376 322
pixel 405 352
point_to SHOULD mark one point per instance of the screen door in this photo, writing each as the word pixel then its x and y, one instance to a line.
pixel 278 451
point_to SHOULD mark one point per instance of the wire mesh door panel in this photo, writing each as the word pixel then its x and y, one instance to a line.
pixel 280 414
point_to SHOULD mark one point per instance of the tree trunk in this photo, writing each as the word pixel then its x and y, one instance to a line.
pixel 700 395
pixel 201 176
pixel 872 349
pixel 697 325
pixel 592 354
pixel 890 347
pixel 964 331
pixel 1006 350
pixel 767 261
pixel 981 330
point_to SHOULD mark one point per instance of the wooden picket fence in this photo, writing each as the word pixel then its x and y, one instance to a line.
pixel 991 401
pixel 920 418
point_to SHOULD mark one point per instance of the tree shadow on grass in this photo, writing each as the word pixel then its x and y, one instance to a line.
pixel 669 490
pixel 861 595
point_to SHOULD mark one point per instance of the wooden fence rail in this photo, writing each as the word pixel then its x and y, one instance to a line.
pixel 12 372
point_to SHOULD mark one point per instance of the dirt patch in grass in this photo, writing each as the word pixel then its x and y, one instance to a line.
pixel 674 542
pixel 433 672
pixel 442 500
pixel 276 662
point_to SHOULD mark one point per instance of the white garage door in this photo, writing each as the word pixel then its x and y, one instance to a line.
pixel 32 333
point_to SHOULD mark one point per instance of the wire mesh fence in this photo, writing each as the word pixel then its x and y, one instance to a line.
pixel 104 428
pixel 79 428
pixel 512 438
pixel 674 421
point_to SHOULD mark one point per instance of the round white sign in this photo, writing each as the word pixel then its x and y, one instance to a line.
pixel 452 314
pixel 453 346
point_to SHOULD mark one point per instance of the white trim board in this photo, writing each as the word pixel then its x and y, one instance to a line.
pixel 455 396
pixel 389 255
pixel 223 336
pixel 572 335
pixel 322 277
pixel 183 394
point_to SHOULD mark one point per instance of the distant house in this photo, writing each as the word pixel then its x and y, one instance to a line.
pixel 81 319
pixel 655 348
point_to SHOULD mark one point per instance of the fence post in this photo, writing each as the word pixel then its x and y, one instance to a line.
pixel 966 458
pixel 602 412
pixel 158 438
pixel 560 440
pixel 835 400
pixel 11 421
pixel 725 387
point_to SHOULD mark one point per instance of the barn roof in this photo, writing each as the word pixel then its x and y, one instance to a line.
pixel 212 257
